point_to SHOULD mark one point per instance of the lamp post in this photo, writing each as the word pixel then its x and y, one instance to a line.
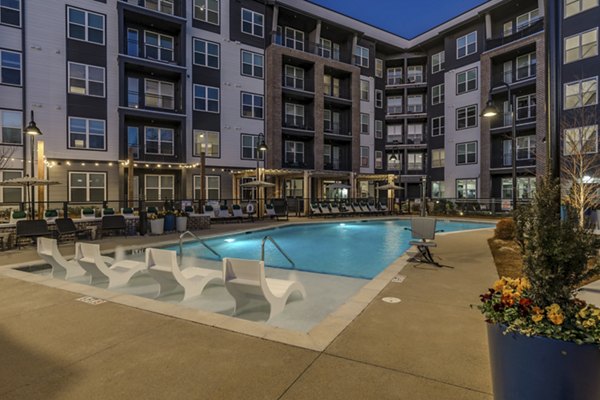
pixel 260 150
pixel 491 111
pixel 396 158
pixel 32 131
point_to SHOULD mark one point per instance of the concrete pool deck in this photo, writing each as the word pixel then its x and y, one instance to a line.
pixel 430 345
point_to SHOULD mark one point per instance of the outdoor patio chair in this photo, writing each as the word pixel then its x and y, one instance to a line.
pixel 238 212
pixel 163 267
pixel 209 211
pixel 325 209
pixel 357 208
pixel 111 223
pixel 281 209
pixel 17 216
pixel 245 280
pixel 224 213
pixel 118 274
pixel 335 210
pixel 383 208
pixel 270 210
pixel 88 213
pixel 50 215
pixel 423 233
pixel 314 210
pixel 48 251
pixel 32 229
pixel 66 228
pixel 127 212
pixel 107 211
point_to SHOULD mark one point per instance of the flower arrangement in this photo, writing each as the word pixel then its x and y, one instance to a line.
pixel 156 215
pixel 181 213
pixel 559 256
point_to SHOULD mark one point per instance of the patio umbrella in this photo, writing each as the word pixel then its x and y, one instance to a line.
pixel 27 182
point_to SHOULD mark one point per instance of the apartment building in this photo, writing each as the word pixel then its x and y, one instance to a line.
pixel 157 86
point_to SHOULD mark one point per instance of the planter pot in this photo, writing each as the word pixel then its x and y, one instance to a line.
pixel 538 368
pixel 181 224
pixel 169 222
pixel 157 226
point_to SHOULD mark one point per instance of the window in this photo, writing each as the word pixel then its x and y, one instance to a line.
pixel 438 158
pixel 573 7
pixel 394 133
pixel 206 98
pixel 437 62
pixel 378 98
pixel 85 25
pixel 159 94
pixel 466 188
pixel 364 156
pixel 294 152
pixel 11 194
pixel 414 74
pixel 526 66
pixel 159 187
pixel 378 159
pixel 252 23
pixel 11 123
pixel 133 92
pixel 209 142
pixel 378 68
pixel 294 77
pixel 466 153
pixel 507 29
pixel 133 141
pixel 327 154
pixel 507 152
pixel 294 115
pixel 466 117
pixel 394 76
pixel 364 124
pixel 526 106
pixel 331 121
pixel 414 133
pixel 466 81
pixel 581 140
pixel 364 90
pixel 394 105
pixel 582 45
pixel 581 93
pixel 437 126
pixel 328 49
pixel 207 11
pixel 294 38
pixel 414 161
pixel 87 186
pixel 438 189
pixel 212 187
pixel 159 140
pixel 252 105
pixel 331 86
pixel 250 147
pixel 10 12
pixel 206 53
pixel 86 80
pixel 361 56
pixel 507 72
pixel 414 103
pixel 526 147
pixel 158 47
pixel 394 161
pixel 525 20
pixel 87 133
pixel 133 43
pixel 466 45
pixel 437 94
pixel 164 6
pixel 525 187
pixel 378 129
pixel 252 64
pixel 10 68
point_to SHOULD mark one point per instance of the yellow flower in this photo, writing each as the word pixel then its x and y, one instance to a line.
pixel 524 284
pixel 596 312
pixel 589 323
pixel 553 308
pixel 537 317
pixel 556 318
pixel 582 313
pixel 499 285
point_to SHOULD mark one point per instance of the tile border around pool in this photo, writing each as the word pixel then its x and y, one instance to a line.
pixel 317 339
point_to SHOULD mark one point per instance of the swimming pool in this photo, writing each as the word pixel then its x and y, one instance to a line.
pixel 355 249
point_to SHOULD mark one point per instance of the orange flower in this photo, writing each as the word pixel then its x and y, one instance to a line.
pixel 556 318
pixel 537 317
pixel 499 285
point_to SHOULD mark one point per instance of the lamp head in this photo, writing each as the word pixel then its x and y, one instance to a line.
pixel 393 157
pixel 32 128
pixel 262 146
pixel 490 109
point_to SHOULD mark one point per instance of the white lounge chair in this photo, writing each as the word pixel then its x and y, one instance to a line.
pixel 48 251
pixel 314 210
pixel 89 257
pixel 245 280
pixel 163 267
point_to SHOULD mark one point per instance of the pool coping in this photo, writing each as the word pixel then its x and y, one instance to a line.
pixel 318 338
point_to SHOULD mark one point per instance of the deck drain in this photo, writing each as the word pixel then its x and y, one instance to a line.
pixel 399 278
pixel 391 300
pixel 91 300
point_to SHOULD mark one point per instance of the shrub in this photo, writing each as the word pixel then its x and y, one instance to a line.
pixel 505 229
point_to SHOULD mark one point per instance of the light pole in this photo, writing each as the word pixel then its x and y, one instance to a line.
pixel 32 131
pixel 491 111
pixel 260 150
pixel 396 158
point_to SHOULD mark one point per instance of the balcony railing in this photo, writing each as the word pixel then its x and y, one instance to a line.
pixel 162 6
pixel 394 109
pixel 535 27
pixel 415 109
pixel 312 48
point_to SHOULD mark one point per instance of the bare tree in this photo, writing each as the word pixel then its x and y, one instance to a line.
pixel 580 161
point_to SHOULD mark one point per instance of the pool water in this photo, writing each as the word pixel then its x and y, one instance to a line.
pixel 354 249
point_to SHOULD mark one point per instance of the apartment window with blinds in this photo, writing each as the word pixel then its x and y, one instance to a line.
pixel 160 140
pixel 394 76
pixel 331 86
pixel 437 94
pixel 294 38
pixel 414 74
pixel 466 117
pixel 466 45
pixel 159 94
pixel 438 158
pixel 206 53
pixel 85 133
pixel 394 105
pixel 11 127
pixel 86 80
pixel 414 103
pixel 378 68
pixel 466 153
pixel 87 186
pixel 361 56
pixel 294 152
pixel 207 11
pixel 414 161
pixel 159 187
pixel 437 126
pixel 573 7
pixel 525 20
pixel 364 90
pixel 582 45
pixel 526 66
pixel 364 124
pixel 250 147
pixel 207 142
pixel 378 129
pixel 581 140
pixel 294 115
pixel 466 81
pixel 526 147
pixel 364 156
pixel 212 187
pixel 252 64
pixel 294 77
pixel 526 107
pixel 11 194
pixel 581 93
pixel 252 105
pixel 437 62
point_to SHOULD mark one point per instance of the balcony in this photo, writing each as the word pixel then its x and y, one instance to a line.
pixel 167 10
pixel 535 27
pixel 331 53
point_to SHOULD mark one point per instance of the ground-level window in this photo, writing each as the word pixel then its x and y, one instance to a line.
pixel 212 187
pixel 159 187
pixel 466 188
pixel 10 194
pixel 525 187
pixel 294 188
pixel 87 186
pixel 438 189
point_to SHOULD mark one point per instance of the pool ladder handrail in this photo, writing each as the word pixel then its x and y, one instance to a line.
pixel 201 241
pixel 270 239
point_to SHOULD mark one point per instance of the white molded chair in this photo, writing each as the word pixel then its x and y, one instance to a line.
pixel 88 212
pixel 270 210
pixel 17 216
pixel 245 280
pixel 163 267
pixel 89 257
pixel 48 251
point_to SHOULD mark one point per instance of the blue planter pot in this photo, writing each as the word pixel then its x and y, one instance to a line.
pixel 169 222
pixel 537 368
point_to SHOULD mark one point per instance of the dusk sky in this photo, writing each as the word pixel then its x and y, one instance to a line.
pixel 407 18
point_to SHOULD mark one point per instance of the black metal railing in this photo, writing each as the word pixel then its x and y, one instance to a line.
pixel 535 27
